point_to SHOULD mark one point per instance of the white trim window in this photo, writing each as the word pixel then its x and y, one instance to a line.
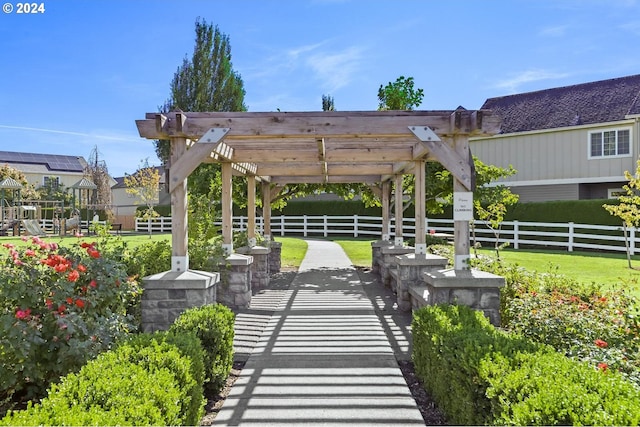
pixel 52 181
pixel 610 143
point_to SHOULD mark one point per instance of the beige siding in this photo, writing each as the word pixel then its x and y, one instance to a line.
pixel 561 154
pixel 541 193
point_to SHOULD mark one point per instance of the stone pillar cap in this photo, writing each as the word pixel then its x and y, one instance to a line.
pixel 239 259
pixel 451 278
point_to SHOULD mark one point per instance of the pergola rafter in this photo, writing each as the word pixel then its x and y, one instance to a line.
pixel 371 147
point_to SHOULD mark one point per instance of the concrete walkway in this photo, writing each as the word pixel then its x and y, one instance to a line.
pixel 324 352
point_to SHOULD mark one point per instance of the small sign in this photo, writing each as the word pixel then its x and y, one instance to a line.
pixel 463 206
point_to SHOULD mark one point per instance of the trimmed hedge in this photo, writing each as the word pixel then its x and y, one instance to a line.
pixel 149 380
pixel 480 375
pixel 213 325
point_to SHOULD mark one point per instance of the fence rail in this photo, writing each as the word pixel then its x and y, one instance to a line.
pixel 517 234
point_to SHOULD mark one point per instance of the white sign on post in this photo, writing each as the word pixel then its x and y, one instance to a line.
pixel 463 206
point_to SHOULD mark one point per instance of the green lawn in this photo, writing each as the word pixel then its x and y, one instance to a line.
pixel 293 251
pixel 604 268
pixel 358 251
pixel 130 238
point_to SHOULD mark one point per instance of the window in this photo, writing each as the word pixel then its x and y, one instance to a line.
pixel 52 182
pixel 614 193
pixel 610 143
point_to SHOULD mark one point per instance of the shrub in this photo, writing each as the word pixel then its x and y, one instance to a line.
pixel 157 351
pixel 108 390
pixel 549 389
pixel 580 321
pixel 59 307
pixel 213 324
pixel 480 375
pixel 148 258
pixel 151 379
pixel 448 344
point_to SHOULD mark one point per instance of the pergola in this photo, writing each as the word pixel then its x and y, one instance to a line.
pixel 279 148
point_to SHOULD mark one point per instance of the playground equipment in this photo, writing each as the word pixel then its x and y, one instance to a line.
pixel 9 218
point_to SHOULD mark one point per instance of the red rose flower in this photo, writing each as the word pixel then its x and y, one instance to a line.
pixel 600 343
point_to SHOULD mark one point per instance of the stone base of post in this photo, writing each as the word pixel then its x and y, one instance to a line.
pixel 235 288
pixel 275 257
pixel 388 267
pixel 166 295
pixel 376 254
pixel 410 271
pixel 474 288
pixel 260 272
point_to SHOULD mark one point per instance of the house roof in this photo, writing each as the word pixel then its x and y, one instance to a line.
pixel 588 103
pixel 52 162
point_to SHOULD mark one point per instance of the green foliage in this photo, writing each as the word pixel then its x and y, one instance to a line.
pixel 399 95
pixel 205 250
pixel 480 375
pixel 213 324
pixel 148 380
pixel 583 322
pixel 148 258
pixel 548 389
pixel 59 307
pixel 27 192
pixel 578 211
pixel 628 208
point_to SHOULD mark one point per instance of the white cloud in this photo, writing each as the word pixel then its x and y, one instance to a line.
pixel 336 69
pixel 556 31
pixel 632 27
pixel 512 84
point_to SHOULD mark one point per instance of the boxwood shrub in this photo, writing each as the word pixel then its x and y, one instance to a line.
pixel 149 380
pixel 213 325
pixel 480 375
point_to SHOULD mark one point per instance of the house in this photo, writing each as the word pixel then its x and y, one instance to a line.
pixel 46 169
pixel 125 204
pixel 566 143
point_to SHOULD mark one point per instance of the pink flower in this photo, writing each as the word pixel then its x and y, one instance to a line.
pixel 23 314
pixel 9 245
pixel 30 252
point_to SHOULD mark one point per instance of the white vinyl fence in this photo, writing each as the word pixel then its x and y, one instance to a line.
pixel 518 234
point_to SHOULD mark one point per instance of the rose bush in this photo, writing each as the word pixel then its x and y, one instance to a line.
pixel 59 307
pixel 582 321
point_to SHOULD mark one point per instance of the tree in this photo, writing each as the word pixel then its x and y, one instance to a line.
pixel 144 184
pixel 28 191
pixel 204 82
pixel 399 95
pixel 328 103
pixel 491 201
pixel 97 171
pixel 628 209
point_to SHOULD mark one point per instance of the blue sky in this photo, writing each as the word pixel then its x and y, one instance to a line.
pixel 81 73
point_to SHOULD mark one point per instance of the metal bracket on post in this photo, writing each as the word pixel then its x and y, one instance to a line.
pixel 399 241
pixel 180 263
pixel 424 133
pixel 421 248
pixel 227 248
pixel 214 135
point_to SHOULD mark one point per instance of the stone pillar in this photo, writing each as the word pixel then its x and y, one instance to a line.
pixel 166 295
pixel 376 255
pixel 260 267
pixel 235 289
pixel 474 288
pixel 388 265
pixel 411 268
pixel 275 257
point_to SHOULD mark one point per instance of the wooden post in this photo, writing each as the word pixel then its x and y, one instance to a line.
pixel 461 228
pixel 266 209
pixel 386 190
pixel 398 210
pixel 420 205
pixel 251 210
pixel 179 229
pixel 227 208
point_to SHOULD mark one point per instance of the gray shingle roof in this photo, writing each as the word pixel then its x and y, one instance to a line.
pixel 587 103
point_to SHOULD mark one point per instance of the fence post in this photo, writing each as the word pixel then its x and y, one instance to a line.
pixel 325 227
pixel 304 225
pixel 570 243
pixel 355 226
pixel 632 241
pixel 516 238
pixel 282 225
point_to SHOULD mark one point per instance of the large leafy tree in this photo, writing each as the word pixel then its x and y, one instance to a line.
pixel 205 82
pixel 28 191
